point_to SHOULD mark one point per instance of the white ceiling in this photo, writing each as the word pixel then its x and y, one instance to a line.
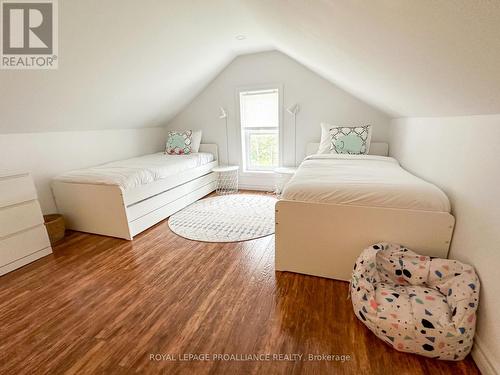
pixel 131 63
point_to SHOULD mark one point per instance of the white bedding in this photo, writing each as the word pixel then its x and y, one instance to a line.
pixel 362 180
pixel 137 171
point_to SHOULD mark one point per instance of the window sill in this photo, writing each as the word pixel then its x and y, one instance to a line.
pixel 256 173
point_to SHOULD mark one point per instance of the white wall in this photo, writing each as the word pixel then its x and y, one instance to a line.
pixel 461 155
pixel 319 101
pixel 48 154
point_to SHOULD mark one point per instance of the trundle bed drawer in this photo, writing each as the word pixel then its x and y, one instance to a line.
pixel 146 206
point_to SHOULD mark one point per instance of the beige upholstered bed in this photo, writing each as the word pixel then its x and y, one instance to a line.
pixel 335 206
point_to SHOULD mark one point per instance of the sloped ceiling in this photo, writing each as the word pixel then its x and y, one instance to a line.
pixel 127 64
pixel 411 58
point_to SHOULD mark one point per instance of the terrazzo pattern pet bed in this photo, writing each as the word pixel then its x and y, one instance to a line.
pixel 415 303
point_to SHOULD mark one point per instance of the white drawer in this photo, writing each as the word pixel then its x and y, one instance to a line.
pixel 23 244
pixel 16 189
pixel 137 210
pixel 23 261
pixel 19 217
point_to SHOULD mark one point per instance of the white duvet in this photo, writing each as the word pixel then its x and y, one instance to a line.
pixel 137 171
pixel 362 180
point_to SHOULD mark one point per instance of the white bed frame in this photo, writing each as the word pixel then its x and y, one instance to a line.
pixel 325 239
pixel 111 211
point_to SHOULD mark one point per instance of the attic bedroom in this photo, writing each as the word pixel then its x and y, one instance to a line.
pixel 249 187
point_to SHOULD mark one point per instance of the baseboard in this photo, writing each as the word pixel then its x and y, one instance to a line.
pixel 482 357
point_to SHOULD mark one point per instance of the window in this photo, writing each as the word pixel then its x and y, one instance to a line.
pixel 260 124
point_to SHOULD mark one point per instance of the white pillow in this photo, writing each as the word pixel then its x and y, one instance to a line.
pixel 324 143
pixel 196 141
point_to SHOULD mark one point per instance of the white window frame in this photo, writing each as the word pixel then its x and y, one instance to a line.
pixel 242 159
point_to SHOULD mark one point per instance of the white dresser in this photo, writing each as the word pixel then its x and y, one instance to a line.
pixel 23 237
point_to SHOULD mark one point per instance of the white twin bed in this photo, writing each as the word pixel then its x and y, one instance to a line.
pixel 363 180
pixel 336 205
pixel 123 198
pixel 332 208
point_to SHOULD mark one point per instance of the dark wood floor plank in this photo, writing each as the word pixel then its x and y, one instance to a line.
pixel 103 305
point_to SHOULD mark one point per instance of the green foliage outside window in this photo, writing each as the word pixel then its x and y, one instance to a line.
pixel 264 150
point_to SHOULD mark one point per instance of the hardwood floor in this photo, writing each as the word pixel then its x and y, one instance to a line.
pixel 104 305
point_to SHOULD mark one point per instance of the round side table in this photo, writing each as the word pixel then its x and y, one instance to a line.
pixel 284 175
pixel 227 179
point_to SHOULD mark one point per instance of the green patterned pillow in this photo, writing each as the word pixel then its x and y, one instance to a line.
pixel 179 143
pixel 350 139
